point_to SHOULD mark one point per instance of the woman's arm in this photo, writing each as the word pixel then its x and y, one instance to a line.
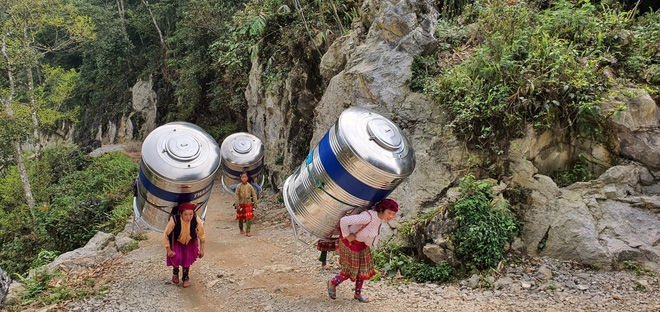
pixel 237 197
pixel 166 239
pixel 254 195
pixel 201 236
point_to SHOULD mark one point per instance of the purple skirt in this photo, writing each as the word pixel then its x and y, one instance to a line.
pixel 185 255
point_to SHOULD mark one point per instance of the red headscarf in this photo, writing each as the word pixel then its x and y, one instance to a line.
pixel 186 206
pixel 386 204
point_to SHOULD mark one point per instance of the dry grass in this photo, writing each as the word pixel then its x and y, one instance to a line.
pixel 66 286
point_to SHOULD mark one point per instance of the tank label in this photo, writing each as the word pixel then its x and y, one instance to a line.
pixel 171 196
pixel 235 173
pixel 343 178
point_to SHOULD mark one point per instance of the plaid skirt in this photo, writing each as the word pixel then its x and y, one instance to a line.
pixel 327 245
pixel 185 255
pixel 244 212
pixel 356 260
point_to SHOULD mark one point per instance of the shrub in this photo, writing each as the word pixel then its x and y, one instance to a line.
pixel 20 250
pixel 639 62
pixel 71 228
pixel 84 202
pixel 532 67
pixel 391 259
pixel 54 164
pixel 482 230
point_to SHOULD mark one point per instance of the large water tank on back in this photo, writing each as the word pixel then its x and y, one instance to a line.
pixel 178 164
pixel 360 161
pixel 241 152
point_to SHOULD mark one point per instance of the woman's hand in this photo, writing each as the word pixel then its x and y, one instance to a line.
pixel 171 253
pixel 200 254
pixel 350 238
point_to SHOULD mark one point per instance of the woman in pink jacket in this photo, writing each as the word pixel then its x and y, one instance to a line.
pixel 359 233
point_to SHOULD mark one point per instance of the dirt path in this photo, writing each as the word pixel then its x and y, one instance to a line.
pixel 271 272
pixel 244 264
pixel 268 271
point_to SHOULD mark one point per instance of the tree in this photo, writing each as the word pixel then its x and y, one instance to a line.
pixel 7 101
pixel 31 29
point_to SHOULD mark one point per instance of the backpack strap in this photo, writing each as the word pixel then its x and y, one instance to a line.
pixel 172 233
pixel 365 225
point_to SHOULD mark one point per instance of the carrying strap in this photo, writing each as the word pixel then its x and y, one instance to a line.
pixel 365 225
pixel 172 233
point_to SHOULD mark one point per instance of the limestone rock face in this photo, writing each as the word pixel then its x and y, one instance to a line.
pixel 123 130
pixel 603 222
pixel 5 281
pixel 100 247
pixel 636 129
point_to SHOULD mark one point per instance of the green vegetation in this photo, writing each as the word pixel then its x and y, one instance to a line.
pixel 483 229
pixel 198 54
pixel 633 266
pixel 638 56
pixel 392 259
pixel 76 195
pixel 522 65
pixel 578 172
pixel 485 226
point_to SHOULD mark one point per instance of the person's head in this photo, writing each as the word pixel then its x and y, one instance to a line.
pixel 187 211
pixel 244 177
pixel 386 209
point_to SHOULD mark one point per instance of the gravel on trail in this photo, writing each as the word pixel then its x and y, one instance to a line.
pixel 271 271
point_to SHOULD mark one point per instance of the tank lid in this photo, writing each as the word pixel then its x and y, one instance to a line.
pixel 240 150
pixel 242 145
pixel 385 133
pixel 182 146
pixel 375 140
pixel 181 151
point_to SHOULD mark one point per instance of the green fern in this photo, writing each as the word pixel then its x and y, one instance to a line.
pixel 258 25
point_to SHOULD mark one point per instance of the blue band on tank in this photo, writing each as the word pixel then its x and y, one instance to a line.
pixel 343 178
pixel 238 173
pixel 169 196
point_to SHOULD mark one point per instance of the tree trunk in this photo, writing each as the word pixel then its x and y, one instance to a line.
pixel 122 14
pixel 153 19
pixel 18 151
pixel 24 179
pixel 33 105
pixel 33 113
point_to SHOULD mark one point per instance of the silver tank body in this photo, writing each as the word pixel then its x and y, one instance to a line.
pixel 241 152
pixel 360 161
pixel 178 164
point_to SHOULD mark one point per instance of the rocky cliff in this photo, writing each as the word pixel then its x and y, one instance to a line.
pixel 604 222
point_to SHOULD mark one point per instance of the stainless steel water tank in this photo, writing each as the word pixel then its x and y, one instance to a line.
pixel 241 152
pixel 359 161
pixel 179 162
